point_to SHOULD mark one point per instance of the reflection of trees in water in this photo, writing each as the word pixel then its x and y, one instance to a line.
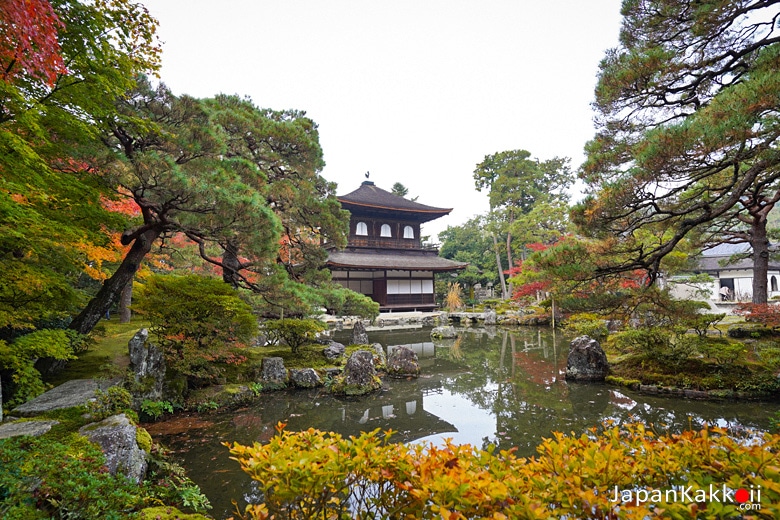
pixel 519 377
pixel 515 375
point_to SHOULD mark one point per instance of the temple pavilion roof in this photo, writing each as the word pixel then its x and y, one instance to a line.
pixel 405 260
pixel 370 199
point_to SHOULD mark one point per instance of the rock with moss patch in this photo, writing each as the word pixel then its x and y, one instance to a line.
pixel 274 375
pixel 359 377
pixel 402 362
pixel 587 360
pixel 305 378
pixel 147 369
pixel 380 359
pixel 359 334
pixel 116 437
pixel 447 331
pixel 334 351
pixel 749 330
pixel 31 428
pixel 75 392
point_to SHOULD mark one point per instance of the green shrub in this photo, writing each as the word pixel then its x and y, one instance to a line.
pixel 42 478
pixel 722 351
pixel 293 331
pixel 21 354
pixel 110 402
pixel 586 324
pixel 155 409
pixel 199 322
pixel 660 344
pixel 313 474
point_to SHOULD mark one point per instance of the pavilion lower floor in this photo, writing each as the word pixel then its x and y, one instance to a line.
pixel 393 289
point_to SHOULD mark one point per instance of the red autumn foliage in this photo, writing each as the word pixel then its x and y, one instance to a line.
pixel 767 314
pixel 28 41
pixel 125 206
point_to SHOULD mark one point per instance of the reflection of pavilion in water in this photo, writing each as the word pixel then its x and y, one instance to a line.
pixel 401 408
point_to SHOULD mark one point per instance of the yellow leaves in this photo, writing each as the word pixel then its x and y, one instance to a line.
pixel 95 256
pixel 313 473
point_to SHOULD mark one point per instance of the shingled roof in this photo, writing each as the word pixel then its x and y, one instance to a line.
pixel 370 197
pixel 722 257
pixel 395 260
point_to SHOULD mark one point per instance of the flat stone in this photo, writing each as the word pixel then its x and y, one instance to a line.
pixel 445 332
pixel 73 393
pixel 31 428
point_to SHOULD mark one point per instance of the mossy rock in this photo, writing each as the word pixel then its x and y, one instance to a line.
pixel 176 387
pixel 223 395
pixel 633 384
pixel 341 387
pixel 168 513
pixel 750 330
pixel 143 439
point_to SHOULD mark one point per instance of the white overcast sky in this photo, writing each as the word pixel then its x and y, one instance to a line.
pixel 414 91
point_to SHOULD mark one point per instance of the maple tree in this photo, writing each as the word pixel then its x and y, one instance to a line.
pixel 29 43
pixel 687 131
pixel 63 62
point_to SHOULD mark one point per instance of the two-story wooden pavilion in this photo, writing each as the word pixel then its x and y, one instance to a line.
pixel 384 257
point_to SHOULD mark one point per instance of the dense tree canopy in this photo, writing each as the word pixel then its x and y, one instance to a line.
pixel 239 182
pixel 522 190
pixel 63 63
pixel 687 130
pixel 470 242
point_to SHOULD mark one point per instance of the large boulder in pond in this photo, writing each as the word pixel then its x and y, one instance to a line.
pixel 359 376
pixel 359 334
pixel 490 317
pixel 403 362
pixel 117 438
pixel 444 332
pixel 334 351
pixel 587 360
pixel 273 374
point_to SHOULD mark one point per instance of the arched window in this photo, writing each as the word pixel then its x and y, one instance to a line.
pixel 408 232
pixel 361 229
pixel 773 283
pixel 385 231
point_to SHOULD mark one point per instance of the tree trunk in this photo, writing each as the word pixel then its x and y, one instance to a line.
pixel 500 269
pixel 760 245
pixel 230 265
pixel 125 299
pixel 509 258
pixel 112 288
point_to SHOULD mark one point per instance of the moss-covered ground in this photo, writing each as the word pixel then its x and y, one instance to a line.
pixel 749 366
pixel 107 357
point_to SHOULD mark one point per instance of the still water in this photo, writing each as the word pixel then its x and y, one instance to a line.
pixel 504 387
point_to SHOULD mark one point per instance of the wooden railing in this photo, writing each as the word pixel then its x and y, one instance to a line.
pixel 391 243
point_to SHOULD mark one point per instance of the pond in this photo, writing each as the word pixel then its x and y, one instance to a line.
pixel 504 387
